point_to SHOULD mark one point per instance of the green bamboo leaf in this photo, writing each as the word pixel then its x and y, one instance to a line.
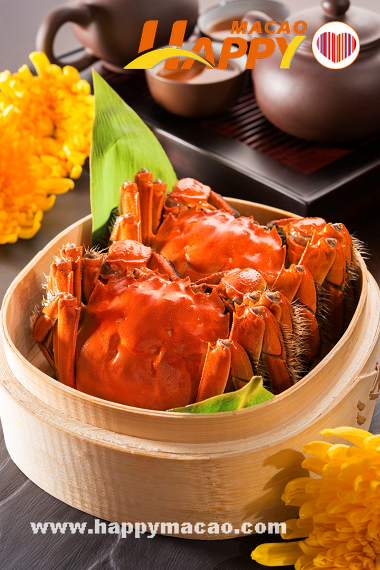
pixel 121 145
pixel 253 393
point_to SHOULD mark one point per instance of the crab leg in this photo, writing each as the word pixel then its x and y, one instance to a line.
pixel 288 281
pixel 43 327
pixel 47 319
pixel 218 202
pixel 188 193
pixel 299 232
pixel 128 224
pixel 281 309
pixel 241 367
pixel 61 278
pixel 327 263
pixel 74 254
pixel 341 234
pixel 126 227
pixel 140 208
pixel 216 370
pixel 319 258
pixel 146 201
pixel 271 301
pixel 158 198
pixel 129 199
pixel 297 283
pixel 91 266
pixel 259 333
pixel 143 175
pixel 130 228
pixel 158 262
pixel 144 181
pixel 248 330
pixel 65 339
pixel 274 355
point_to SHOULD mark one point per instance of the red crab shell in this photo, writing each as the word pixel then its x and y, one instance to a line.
pixel 201 243
pixel 143 341
pixel 124 327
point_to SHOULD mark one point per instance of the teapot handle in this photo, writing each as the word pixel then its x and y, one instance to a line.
pixel 77 13
pixel 335 7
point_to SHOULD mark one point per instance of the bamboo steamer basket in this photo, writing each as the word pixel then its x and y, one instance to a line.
pixel 125 464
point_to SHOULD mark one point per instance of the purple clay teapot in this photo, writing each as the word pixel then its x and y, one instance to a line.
pixel 111 30
pixel 317 103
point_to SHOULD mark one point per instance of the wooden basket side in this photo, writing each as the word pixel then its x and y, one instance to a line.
pixel 161 426
pixel 116 479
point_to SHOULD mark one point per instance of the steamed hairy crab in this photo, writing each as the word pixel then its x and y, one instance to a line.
pixel 191 299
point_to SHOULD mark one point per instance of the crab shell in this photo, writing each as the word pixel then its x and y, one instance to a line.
pixel 143 342
pixel 200 243
pixel 124 327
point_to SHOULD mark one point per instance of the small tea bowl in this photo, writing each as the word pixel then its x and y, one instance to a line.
pixel 203 91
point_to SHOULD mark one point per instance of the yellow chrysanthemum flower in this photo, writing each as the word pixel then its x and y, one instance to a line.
pixel 45 137
pixel 339 515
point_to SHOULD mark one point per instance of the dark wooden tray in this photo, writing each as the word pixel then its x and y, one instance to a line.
pixel 240 154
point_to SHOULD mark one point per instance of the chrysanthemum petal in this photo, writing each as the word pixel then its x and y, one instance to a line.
pixel 372 442
pixel 354 435
pixel 309 509
pixel 317 448
pixel 40 62
pixel 57 185
pixel 338 452
pixel 359 516
pixel 294 531
pixel 314 465
pixel 310 550
pixel 295 495
pixel 27 233
pixel 304 563
pixel 39 117
pixel 277 554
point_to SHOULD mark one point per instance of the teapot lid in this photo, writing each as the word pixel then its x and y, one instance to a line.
pixel 365 22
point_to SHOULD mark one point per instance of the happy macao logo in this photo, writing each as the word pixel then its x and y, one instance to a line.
pixel 336 45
